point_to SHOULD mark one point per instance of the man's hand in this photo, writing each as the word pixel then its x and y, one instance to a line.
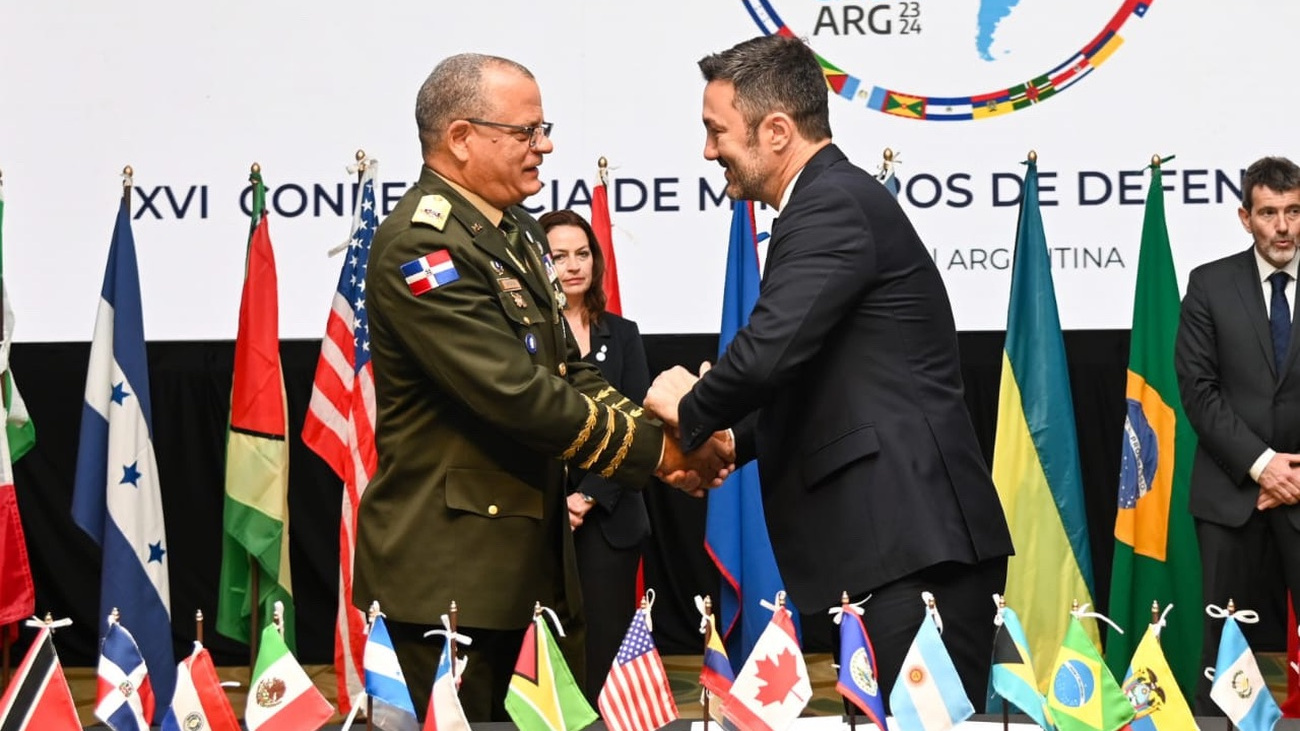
pixel 667 391
pixel 704 468
pixel 1279 482
pixel 578 507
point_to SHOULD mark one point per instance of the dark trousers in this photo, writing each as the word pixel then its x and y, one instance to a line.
pixel 1253 565
pixel 963 594
pixel 609 600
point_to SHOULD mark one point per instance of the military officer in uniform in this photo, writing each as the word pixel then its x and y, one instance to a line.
pixel 482 398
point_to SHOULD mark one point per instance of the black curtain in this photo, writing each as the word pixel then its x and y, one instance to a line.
pixel 190 384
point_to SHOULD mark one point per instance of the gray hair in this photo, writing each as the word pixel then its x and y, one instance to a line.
pixel 775 74
pixel 454 90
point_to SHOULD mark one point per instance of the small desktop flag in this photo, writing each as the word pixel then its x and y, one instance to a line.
pixel 1012 676
pixel 391 705
pixel 1158 704
pixel 281 697
pixel 1084 695
pixel 858 679
pixel 543 696
pixel 928 694
pixel 200 703
pixel 124 698
pixel 445 712
pixel 636 696
pixel 1239 688
pixel 716 675
pixel 38 698
pixel 772 688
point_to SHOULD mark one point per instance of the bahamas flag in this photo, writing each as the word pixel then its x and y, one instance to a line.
pixel 1036 453
pixel 1156 553
pixel 1151 688
pixel 256 519
pixel 1084 695
pixel 1012 675
pixel 543 695
pixel 735 531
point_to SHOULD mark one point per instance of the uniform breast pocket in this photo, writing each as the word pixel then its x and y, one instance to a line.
pixel 520 308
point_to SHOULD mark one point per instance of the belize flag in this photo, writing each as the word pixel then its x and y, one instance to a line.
pixel 117 499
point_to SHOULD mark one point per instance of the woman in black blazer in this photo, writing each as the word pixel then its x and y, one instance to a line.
pixel 609 522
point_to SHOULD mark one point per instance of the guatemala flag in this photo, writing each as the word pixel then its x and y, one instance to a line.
pixel 385 684
pixel 125 697
pixel 116 499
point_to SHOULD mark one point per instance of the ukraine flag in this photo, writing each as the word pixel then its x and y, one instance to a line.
pixel 1036 453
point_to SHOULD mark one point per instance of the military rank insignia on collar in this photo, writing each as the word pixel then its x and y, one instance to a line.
pixel 432 211
pixel 429 272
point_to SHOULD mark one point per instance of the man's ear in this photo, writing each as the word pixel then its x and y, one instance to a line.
pixel 779 129
pixel 457 135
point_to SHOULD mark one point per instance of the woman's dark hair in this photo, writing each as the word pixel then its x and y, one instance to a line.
pixel 594 299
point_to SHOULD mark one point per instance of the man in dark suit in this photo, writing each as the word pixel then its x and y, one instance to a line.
pixel 1240 386
pixel 481 397
pixel 845 384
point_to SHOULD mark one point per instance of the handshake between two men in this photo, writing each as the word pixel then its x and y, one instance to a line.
pixel 705 467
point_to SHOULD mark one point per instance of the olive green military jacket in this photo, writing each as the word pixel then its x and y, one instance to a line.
pixel 481 399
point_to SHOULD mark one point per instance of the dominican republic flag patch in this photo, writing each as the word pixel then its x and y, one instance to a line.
pixel 429 271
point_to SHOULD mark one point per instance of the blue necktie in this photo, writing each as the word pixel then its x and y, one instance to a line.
pixel 1279 318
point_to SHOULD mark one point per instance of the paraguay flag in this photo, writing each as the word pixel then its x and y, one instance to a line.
pixel 393 709
pixel 117 500
pixel 124 696
pixel 199 701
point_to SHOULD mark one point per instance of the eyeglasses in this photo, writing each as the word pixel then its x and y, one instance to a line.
pixel 534 131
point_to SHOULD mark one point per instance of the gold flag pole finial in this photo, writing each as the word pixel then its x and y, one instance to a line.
pixel 1155 611
pixel 844 595
pixel 1155 161
pixel 602 170
pixel 255 168
pixel 1232 607
pixel 1002 602
pixel 198 625
pixel 1033 156
pixel 537 609
pixel 361 159
pixel 888 155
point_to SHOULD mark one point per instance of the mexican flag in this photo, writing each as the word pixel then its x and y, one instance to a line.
pixel 281 697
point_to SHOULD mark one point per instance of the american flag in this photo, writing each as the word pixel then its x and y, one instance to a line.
pixel 636 696
pixel 340 424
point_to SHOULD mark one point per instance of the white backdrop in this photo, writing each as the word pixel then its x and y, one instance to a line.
pixel 190 94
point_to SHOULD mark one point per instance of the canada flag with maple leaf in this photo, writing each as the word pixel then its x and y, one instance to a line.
pixel 772 688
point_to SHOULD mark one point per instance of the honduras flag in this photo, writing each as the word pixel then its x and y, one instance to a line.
pixel 735 531
pixel 116 499
pixel 393 709
pixel 125 698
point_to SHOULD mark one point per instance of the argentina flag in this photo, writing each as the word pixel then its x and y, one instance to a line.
pixel 116 499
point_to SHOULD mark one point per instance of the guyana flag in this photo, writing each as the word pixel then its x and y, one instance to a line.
pixel 256 519
pixel 1156 553
pixel 543 696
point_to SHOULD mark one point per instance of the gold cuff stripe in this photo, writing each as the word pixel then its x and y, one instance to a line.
pixel 609 431
pixel 600 396
pixel 622 448
pixel 585 434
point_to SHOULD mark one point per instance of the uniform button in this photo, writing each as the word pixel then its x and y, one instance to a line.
pixel 493 510
pixel 562 368
pixel 527 321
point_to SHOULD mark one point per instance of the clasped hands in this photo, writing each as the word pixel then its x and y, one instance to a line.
pixel 708 465
pixel 1279 483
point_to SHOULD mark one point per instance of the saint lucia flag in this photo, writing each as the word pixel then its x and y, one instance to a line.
pixel 393 709
pixel 117 500
pixel 1036 451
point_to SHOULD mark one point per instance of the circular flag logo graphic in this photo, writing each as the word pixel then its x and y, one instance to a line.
pixel 1073 685
pixel 952 60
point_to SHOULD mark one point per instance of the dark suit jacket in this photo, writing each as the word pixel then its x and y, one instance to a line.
pixel 481 397
pixel 1234 398
pixel 869 465
pixel 617 350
